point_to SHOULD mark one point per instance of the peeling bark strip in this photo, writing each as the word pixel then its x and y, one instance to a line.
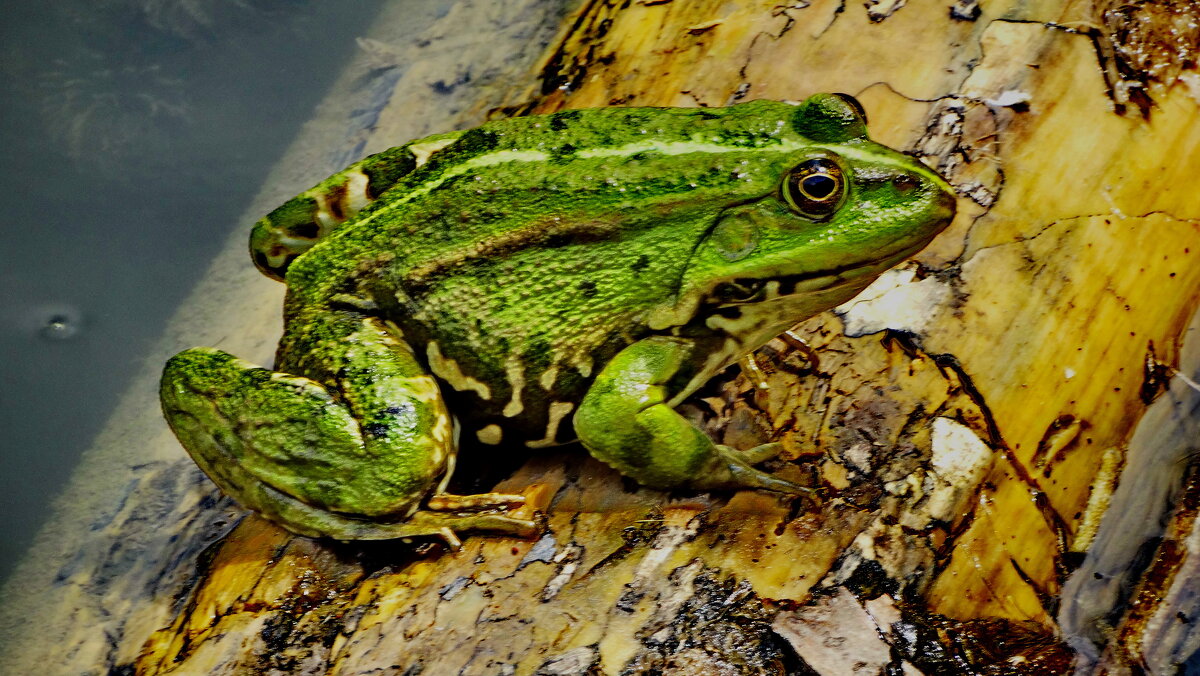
pixel 996 431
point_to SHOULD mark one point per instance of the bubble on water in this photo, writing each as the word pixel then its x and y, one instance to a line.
pixel 54 321
pixel 59 327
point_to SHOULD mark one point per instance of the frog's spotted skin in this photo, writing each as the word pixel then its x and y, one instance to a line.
pixel 538 280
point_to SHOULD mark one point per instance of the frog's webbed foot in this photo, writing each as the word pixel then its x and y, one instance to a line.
pixel 447 502
pixel 430 523
pixel 445 526
pixel 486 512
pixel 449 513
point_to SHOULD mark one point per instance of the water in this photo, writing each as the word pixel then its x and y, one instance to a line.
pixel 135 132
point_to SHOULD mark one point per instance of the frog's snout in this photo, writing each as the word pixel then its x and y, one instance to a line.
pixel 942 208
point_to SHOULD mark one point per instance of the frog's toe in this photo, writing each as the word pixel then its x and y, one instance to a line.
pixel 734 472
pixel 446 502
pixel 748 477
pixel 440 524
pixel 761 453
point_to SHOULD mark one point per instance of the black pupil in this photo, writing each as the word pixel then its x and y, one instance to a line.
pixel 819 186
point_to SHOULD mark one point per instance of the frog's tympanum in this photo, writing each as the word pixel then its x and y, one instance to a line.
pixel 535 281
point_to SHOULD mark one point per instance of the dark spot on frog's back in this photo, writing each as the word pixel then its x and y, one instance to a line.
pixel 447 183
pixel 258 376
pixel 481 216
pixel 476 142
pixel 334 198
pixel 539 354
pixel 747 139
pixel 562 153
pixel 637 118
pixel 561 120
pixel 384 174
pixel 556 240
pixel 588 288
pixel 640 264
pixel 645 155
pixel 308 230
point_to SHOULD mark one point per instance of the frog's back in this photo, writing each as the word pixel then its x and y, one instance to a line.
pixel 521 257
pixel 406 174
pixel 524 187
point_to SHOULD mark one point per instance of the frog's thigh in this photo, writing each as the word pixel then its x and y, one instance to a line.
pixel 624 420
pixel 252 429
pixel 341 466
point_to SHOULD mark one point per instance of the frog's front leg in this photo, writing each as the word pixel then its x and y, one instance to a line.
pixel 626 421
pixel 349 450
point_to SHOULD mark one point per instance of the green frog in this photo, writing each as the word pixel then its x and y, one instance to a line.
pixel 535 281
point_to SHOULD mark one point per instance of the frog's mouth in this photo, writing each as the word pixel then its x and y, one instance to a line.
pixel 773 301
pixel 752 290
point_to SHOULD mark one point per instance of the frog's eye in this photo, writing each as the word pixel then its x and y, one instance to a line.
pixel 815 188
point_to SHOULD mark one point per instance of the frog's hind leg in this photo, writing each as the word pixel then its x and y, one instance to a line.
pixel 348 450
pixel 299 223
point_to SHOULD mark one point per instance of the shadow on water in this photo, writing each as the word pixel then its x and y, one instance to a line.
pixel 135 132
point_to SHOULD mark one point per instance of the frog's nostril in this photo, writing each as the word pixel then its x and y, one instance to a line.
pixel 904 183
pixel 947 204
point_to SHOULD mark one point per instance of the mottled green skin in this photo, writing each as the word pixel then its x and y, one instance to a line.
pixel 567 276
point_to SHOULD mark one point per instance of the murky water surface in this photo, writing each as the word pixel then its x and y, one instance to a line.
pixel 134 134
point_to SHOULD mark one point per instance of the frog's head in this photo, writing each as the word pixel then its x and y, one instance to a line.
pixel 829 215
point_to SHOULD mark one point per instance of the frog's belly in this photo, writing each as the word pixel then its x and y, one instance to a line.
pixel 533 421
pixel 521 400
pixel 521 397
